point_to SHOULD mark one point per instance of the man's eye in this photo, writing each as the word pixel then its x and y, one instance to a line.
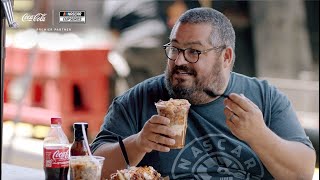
pixel 193 52
pixel 173 49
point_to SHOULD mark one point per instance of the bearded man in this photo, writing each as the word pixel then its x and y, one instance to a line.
pixel 239 127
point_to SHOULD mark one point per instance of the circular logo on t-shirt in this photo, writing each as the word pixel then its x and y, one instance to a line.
pixel 216 156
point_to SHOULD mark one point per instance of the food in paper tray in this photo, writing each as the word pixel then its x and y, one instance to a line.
pixel 137 173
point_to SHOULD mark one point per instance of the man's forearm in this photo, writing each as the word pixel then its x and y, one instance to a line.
pixel 284 159
pixel 114 159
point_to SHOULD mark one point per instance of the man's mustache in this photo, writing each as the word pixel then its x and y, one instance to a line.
pixel 186 69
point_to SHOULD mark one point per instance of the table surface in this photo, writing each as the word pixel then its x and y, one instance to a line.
pixel 13 172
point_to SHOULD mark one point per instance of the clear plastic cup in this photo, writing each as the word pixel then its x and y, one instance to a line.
pixel 177 111
pixel 86 168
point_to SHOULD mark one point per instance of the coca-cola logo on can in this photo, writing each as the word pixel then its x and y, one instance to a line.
pixel 40 17
pixel 60 155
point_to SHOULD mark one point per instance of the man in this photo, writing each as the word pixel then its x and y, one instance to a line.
pixel 252 134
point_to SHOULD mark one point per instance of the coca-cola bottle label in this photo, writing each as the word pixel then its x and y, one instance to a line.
pixel 56 157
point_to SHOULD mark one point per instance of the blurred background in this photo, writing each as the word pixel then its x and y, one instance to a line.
pixel 61 64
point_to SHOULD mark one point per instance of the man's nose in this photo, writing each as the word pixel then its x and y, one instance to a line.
pixel 181 60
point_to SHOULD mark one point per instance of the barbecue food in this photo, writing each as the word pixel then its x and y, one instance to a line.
pixel 136 173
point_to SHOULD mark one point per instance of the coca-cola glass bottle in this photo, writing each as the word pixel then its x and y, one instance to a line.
pixel 56 152
pixel 78 147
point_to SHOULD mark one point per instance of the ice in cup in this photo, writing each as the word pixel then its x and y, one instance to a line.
pixel 177 111
pixel 85 167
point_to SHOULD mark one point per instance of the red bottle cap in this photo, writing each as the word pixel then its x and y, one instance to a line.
pixel 56 120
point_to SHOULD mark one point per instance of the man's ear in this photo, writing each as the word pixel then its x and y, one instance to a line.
pixel 227 56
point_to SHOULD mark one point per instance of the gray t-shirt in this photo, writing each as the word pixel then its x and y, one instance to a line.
pixel 211 150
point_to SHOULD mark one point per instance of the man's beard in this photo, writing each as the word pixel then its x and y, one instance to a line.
pixel 194 93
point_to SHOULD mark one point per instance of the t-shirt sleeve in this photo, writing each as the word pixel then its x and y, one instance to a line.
pixel 117 122
pixel 129 112
pixel 284 121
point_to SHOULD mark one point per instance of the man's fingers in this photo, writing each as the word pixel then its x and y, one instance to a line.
pixel 233 107
pixel 231 125
pixel 161 129
pixel 156 119
pixel 159 147
pixel 241 101
pixel 248 100
pixel 231 116
pixel 160 139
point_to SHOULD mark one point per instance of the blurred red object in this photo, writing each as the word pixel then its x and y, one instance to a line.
pixel 73 84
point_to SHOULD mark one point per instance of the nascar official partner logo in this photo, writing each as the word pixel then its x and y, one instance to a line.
pixel 72 17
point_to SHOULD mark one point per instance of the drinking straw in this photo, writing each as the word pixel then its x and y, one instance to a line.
pixel 87 144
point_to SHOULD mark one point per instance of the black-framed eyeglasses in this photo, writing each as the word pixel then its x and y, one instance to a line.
pixel 190 55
